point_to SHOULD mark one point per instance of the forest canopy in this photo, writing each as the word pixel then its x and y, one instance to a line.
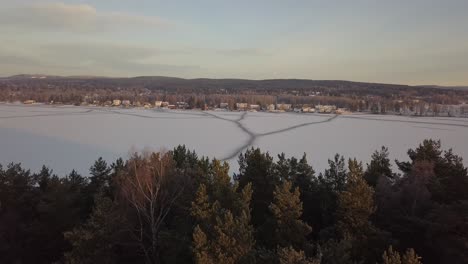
pixel 177 207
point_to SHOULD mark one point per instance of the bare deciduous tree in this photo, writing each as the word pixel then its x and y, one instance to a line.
pixel 150 187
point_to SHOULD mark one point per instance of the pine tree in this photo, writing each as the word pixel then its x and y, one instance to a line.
pixel 43 177
pixel 228 239
pixel 201 248
pixel 289 255
pixel 391 256
pixel 305 180
pixel 95 241
pixel 286 208
pixel 184 158
pixel 355 204
pixel 256 168
pixel 410 257
pixel 304 177
pixel 379 167
pixel 75 180
pixel 337 252
pixel 335 176
pixel 201 207
pixel 223 233
pixel 100 175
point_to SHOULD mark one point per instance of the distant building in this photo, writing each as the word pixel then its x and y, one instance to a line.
pixel 242 106
pixel 171 106
pixel 126 103
pixel 182 105
pixel 284 107
pixel 325 109
pixel 223 105
pixel 271 107
pixel 307 109
pixel 29 102
pixel 255 107
pixel 342 111
pixel 164 104
pixel 116 102
pixel 158 104
pixel 464 110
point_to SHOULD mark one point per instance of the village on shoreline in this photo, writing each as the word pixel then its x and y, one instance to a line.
pixel 443 110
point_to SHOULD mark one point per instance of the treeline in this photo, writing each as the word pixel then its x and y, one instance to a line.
pixel 176 207
pixel 198 92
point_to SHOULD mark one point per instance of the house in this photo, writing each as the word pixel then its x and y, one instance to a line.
pixel 29 102
pixel 342 111
pixel 255 107
pixel 325 109
pixel 284 107
pixel 164 104
pixel 224 105
pixel 158 104
pixel 271 107
pixel 241 106
pixel 307 109
pixel 464 110
pixel 126 103
pixel 182 105
pixel 171 106
pixel 116 102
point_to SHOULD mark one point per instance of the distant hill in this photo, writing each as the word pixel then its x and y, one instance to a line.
pixel 204 82
pixel 445 87
pixel 206 85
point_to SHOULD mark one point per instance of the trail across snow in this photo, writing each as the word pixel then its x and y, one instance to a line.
pixel 61 135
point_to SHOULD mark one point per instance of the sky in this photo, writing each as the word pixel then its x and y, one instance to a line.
pixel 398 41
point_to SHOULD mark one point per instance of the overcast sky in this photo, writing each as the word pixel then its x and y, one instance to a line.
pixel 397 41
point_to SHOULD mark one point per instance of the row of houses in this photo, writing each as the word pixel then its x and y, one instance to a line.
pixel 281 107
pixel 325 109
pixel 460 110
pixel 157 104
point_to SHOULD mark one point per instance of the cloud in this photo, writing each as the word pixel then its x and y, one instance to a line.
pixel 101 58
pixel 243 52
pixel 77 18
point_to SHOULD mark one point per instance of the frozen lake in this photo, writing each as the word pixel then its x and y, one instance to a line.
pixel 66 137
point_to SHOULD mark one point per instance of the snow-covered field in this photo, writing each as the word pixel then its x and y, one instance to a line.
pixel 67 137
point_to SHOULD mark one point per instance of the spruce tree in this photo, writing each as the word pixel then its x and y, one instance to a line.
pixel 286 208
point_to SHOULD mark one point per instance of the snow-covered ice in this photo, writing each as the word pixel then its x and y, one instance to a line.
pixel 68 137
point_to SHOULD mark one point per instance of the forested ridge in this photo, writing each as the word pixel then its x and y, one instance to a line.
pixel 356 96
pixel 176 207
